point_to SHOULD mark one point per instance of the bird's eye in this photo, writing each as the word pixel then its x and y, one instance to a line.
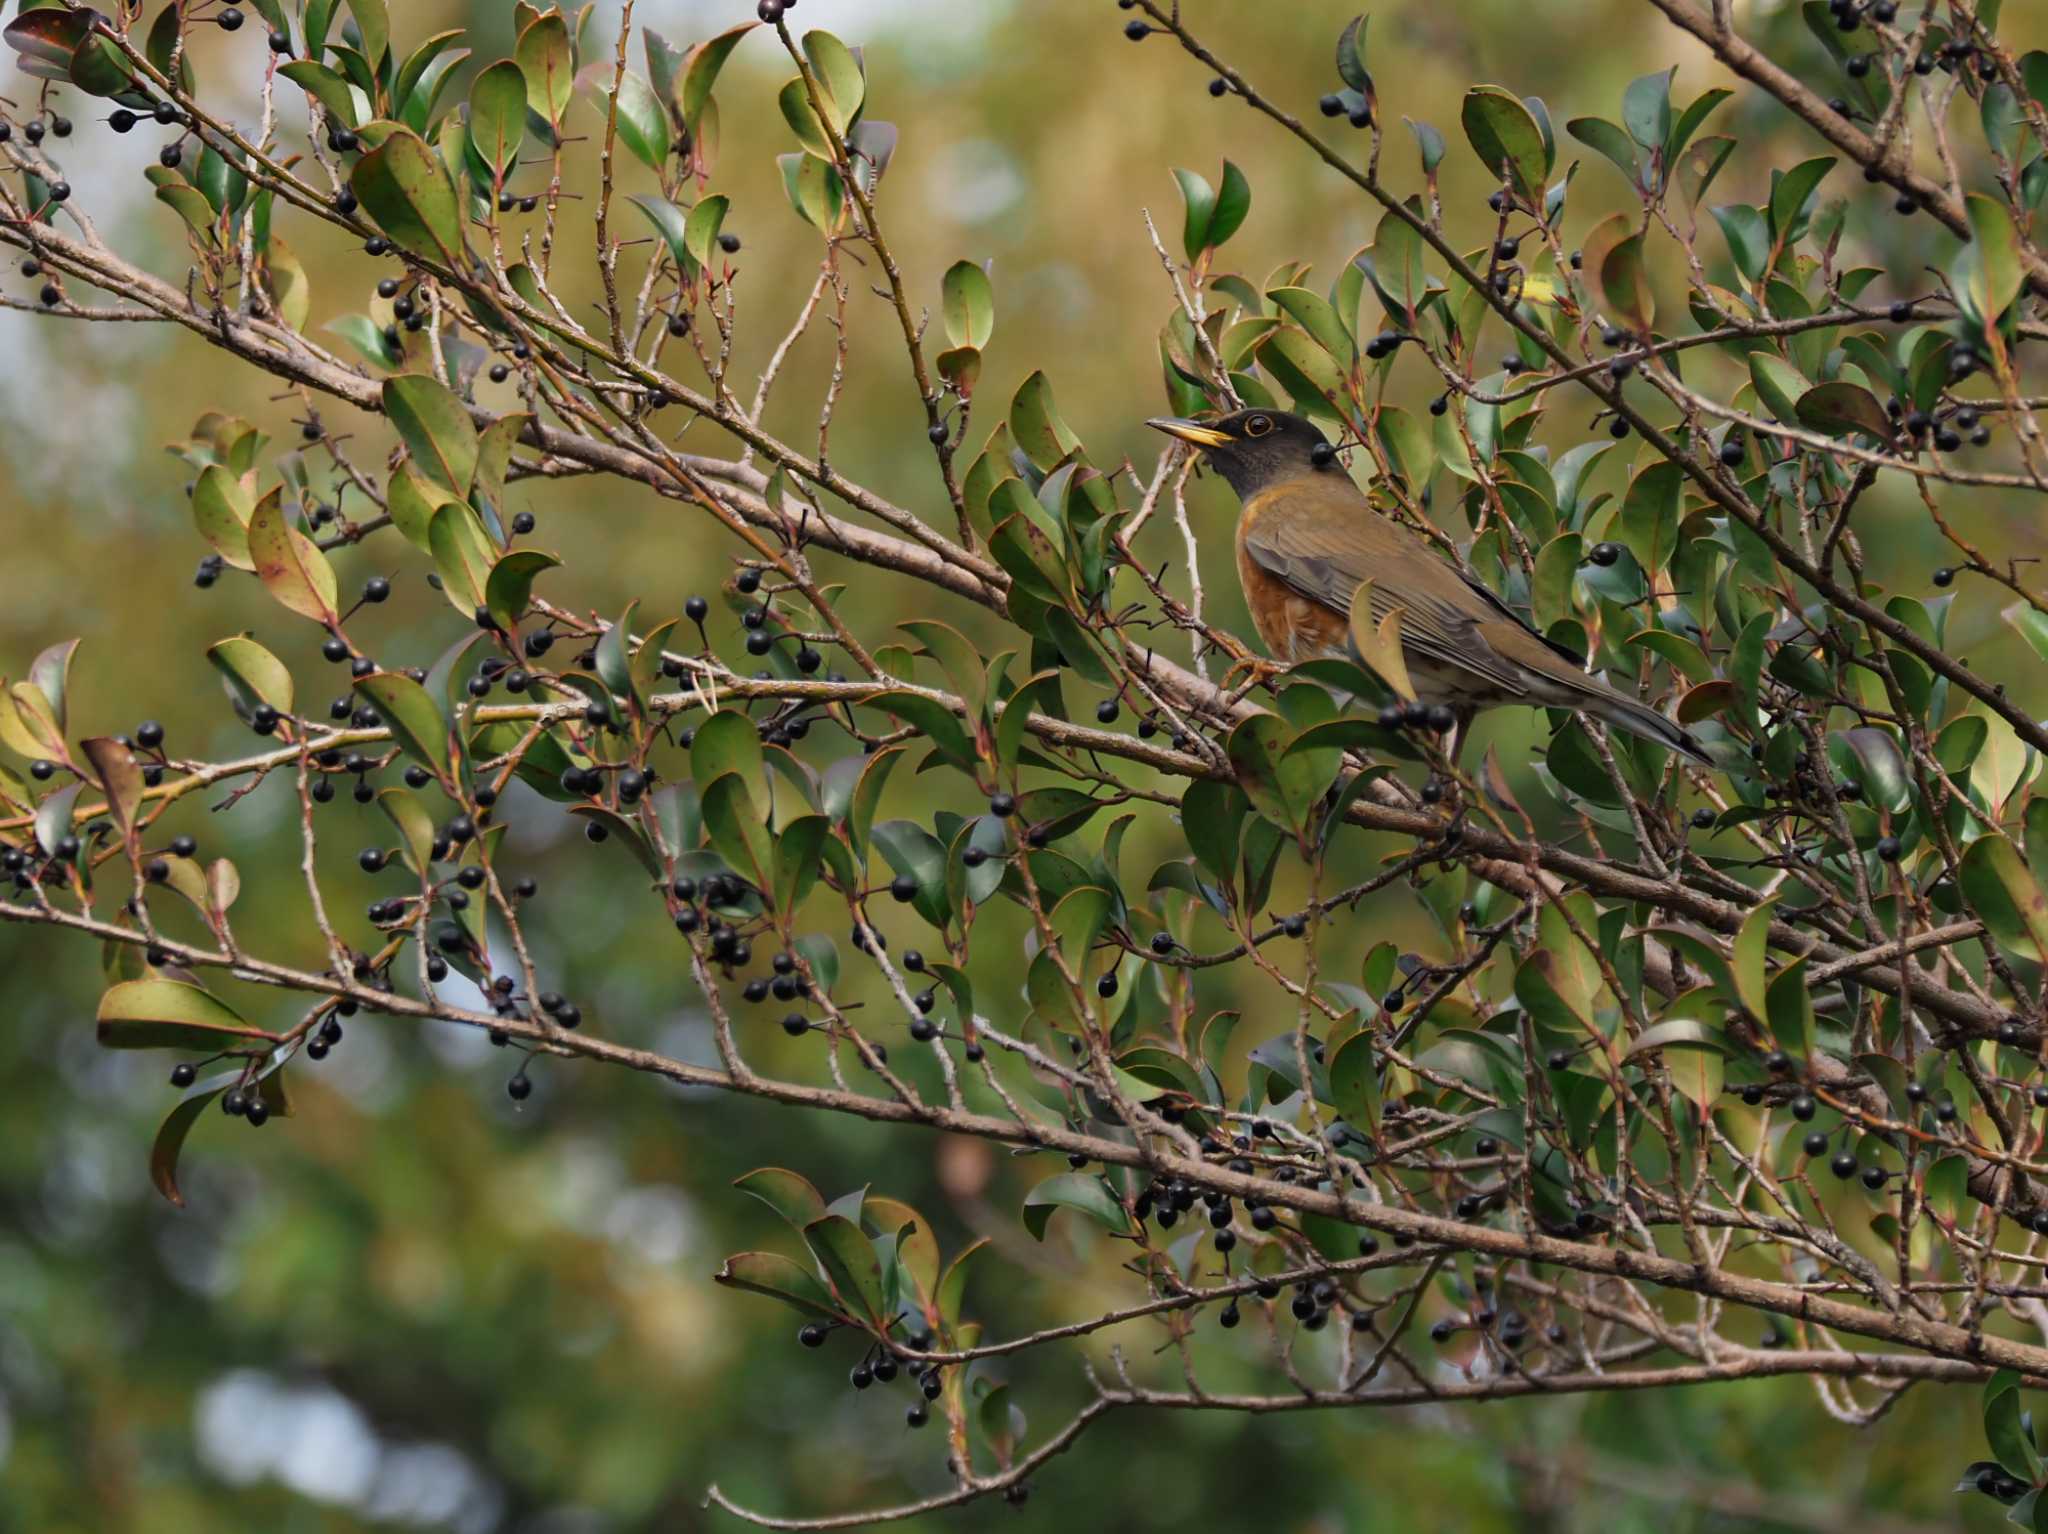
pixel 1258 426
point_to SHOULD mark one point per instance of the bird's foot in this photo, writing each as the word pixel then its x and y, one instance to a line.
pixel 1258 672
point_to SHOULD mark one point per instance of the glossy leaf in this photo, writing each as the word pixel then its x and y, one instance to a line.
pixel 509 590
pixel 548 62
pixel 291 568
pixel 435 427
pixel 850 1264
pixel 414 719
pixel 776 1276
pixel 253 675
pixel 497 115
pixel 170 1014
pixel 403 186
pixel 1507 138
pixel 1077 1191
pixel 969 308
pixel 642 121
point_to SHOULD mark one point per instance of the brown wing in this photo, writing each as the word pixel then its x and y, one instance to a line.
pixel 1325 551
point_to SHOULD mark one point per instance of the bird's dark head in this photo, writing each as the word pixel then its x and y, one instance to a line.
pixel 1255 448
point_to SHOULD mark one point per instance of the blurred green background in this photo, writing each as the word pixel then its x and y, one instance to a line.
pixel 417 1306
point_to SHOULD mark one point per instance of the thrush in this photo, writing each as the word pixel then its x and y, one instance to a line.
pixel 1308 540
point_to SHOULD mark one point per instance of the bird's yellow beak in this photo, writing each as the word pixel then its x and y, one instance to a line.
pixel 1189 431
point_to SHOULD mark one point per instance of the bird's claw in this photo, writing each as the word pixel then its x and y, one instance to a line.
pixel 1258 672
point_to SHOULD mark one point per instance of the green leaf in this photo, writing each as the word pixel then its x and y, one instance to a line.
pixel 1689 123
pixel 414 69
pixel 220 181
pixel 969 306
pixel 700 229
pixel 53 818
pixel 1314 314
pixel 291 293
pixel 416 722
pixel 962 663
pixel 910 849
pixel 367 337
pixel 435 427
pixel 170 1014
pixel 2031 625
pixel 1748 237
pixel 404 187
pixel 1073 1190
pixel 706 60
pixel 1355 1083
pixel 1842 409
pixel 374 25
pixel 2004 893
pixel 252 675
pixel 318 15
pixel 850 1264
pixel 799 851
pixel 1788 1005
pixel 177 1125
pixel 462 555
pixel 1282 786
pixel 1880 765
pixel 1747 959
pixel 1648 524
pixel 1036 426
pixel 50 671
pixel 548 62
pixel 626 834
pixel 1397 264
pixel 414 825
pixel 1646 109
pixel 221 508
pixel 1995 272
pixel 789 1194
pixel 613 661
pixel 642 121
pixel 291 568
pixel 795 102
pixel 509 590
pixel 727 741
pixel 952 1286
pixel 1599 134
pixel 1625 283
pixel 1306 370
pixel 1429 144
pixel 1792 192
pixel 1200 200
pixel 1778 384
pixel 739 830
pixel 774 1275
pixel 838 73
pixel 47 39
pixel 866 796
pixel 2004 1430
pixel 814 190
pixel 497 115
pixel 1233 203
pixel 1504 133
pixel 1694 1057
pixel 188 203
pixel 1351 55
pixel 1409 445
pixel 120 778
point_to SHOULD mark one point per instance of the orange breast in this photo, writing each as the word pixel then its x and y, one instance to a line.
pixel 1291 626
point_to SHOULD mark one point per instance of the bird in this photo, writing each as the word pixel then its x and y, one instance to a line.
pixel 1308 539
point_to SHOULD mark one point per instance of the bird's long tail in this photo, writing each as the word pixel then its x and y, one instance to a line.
pixel 1625 713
